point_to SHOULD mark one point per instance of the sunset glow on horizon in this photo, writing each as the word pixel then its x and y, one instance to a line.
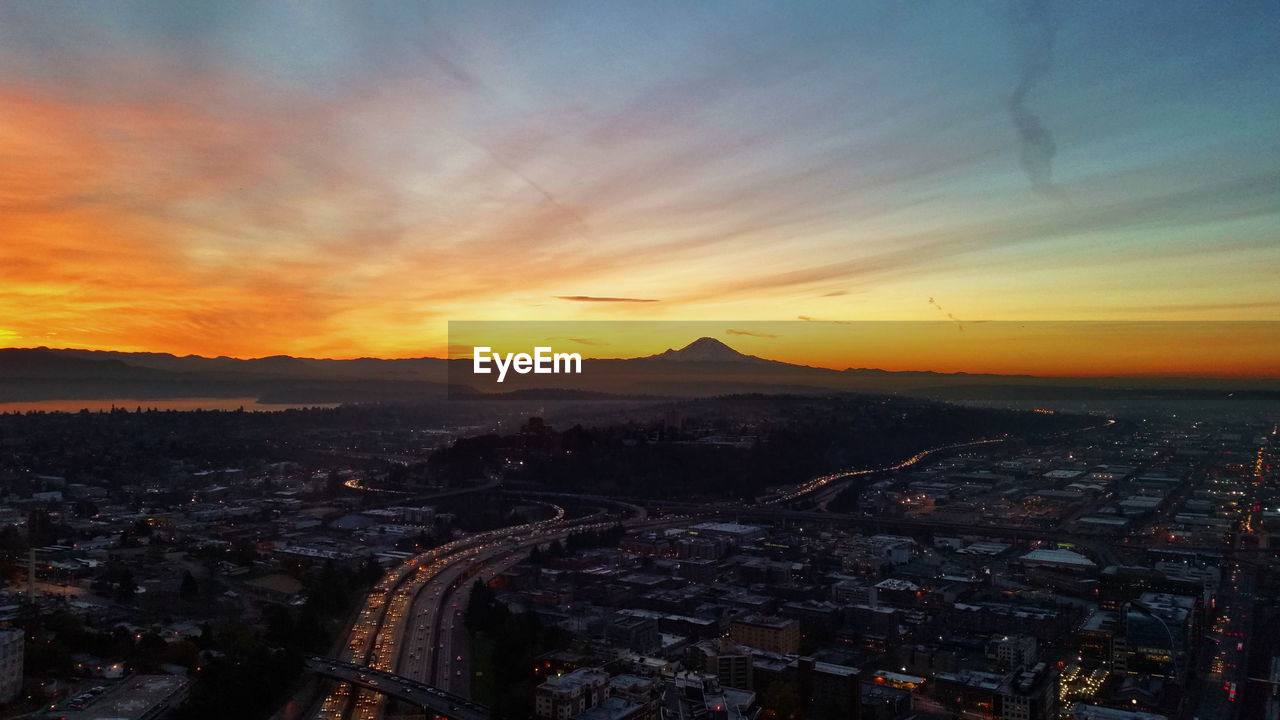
pixel 1045 349
pixel 338 180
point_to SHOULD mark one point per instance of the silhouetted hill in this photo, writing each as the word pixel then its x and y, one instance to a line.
pixel 17 363
pixel 704 367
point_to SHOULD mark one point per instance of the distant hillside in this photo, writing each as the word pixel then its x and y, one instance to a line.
pixel 705 367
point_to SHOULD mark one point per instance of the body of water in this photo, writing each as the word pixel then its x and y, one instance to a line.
pixel 248 403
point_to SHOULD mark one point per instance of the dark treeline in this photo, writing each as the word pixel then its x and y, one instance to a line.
pixel 733 447
pixel 504 647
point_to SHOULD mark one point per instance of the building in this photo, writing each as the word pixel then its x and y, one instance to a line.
pixel 730 663
pixel 827 691
pixel 1156 636
pixel 775 634
pixel 425 515
pixel 634 632
pixel 1013 652
pixel 694 695
pixel 139 697
pixel 563 697
pixel 871 555
pixel 614 709
pixel 1029 694
pixel 1118 584
pixel 1081 711
pixel 1096 637
pixel 12 644
pixel 638 691
pixel 735 533
pixel 1057 560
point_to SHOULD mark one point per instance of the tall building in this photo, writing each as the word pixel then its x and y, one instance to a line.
pixel 12 644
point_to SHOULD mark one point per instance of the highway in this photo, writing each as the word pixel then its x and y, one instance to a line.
pixel 829 483
pixel 410 628
pixel 825 488
pixel 375 638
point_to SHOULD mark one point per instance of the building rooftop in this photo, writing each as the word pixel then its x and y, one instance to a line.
pixel 133 699
pixel 1057 557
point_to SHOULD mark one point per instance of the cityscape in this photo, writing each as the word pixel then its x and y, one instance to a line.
pixel 415 360
pixel 785 555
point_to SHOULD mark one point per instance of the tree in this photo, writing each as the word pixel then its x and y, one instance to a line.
pixel 371 571
pixel 781 700
pixel 484 613
pixel 148 653
pixel 126 589
pixel 189 589
pixel 184 653
pixel 333 484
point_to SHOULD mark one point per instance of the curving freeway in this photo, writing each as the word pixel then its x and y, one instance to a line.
pixel 375 638
pixel 409 636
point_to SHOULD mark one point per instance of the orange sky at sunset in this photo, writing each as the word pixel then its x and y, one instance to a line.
pixel 1182 349
pixel 275 183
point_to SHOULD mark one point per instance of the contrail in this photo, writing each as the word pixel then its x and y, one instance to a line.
pixel 1033 30
pixel 464 78
pixel 547 196
pixel 959 323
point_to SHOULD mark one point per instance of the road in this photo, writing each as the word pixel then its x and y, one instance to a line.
pixel 411 623
pixel 375 638
pixel 1224 658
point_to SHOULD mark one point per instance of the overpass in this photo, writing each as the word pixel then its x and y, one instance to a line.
pixel 431 699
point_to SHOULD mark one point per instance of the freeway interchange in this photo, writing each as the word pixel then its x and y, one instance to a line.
pixel 408 641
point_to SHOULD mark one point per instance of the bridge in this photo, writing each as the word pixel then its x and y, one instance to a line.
pixel 431 699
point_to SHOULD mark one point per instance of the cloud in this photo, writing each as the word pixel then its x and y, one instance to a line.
pixel 595 299
pixel 808 318
pixel 580 341
pixel 749 333
pixel 1034 29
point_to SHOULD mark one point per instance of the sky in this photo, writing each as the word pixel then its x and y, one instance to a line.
pixel 1099 348
pixel 342 179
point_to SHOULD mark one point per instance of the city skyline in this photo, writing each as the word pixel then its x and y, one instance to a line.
pixel 340 182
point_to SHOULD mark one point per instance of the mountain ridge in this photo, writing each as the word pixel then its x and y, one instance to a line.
pixel 703 367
